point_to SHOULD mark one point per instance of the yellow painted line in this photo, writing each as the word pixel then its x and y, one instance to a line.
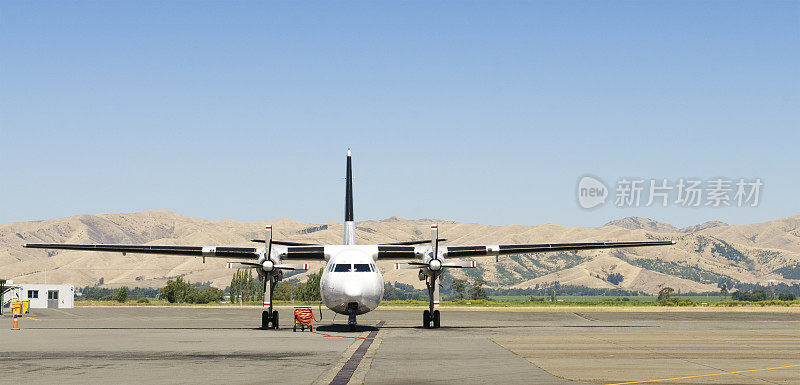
pixel 35 319
pixel 703 375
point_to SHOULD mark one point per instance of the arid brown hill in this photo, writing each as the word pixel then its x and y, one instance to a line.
pixel 705 254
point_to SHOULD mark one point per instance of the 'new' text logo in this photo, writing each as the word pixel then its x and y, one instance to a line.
pixel 591 192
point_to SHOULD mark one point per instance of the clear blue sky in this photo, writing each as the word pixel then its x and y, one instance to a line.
pixel 470 111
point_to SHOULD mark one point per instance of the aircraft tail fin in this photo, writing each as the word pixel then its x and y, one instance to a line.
pixel 349 224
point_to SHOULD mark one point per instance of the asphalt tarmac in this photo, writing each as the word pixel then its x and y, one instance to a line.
pixel 545 346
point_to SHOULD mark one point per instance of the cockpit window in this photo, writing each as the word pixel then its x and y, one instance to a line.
pixel 358 267
pixel 341 267
pixel 362 267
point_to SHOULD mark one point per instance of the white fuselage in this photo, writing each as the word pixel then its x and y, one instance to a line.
pixel 351 282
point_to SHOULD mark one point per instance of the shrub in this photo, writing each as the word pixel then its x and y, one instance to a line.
pixel 675 301
pixel 143 300
pixel 784 296
pixel 122 294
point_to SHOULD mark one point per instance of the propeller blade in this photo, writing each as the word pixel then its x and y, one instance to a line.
pixel 435 290
pixel 410 265
pixel 268 239
pixel 292 266
pixel 243 265
pixel 268 274
pixel 461 264
pixel 435 240
pixel 268 289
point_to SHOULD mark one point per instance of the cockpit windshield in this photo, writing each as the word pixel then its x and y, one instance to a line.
pixel 341 267
pixel 346 267
pixel 362 267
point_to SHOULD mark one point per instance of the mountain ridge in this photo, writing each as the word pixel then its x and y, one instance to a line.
pixel 701 259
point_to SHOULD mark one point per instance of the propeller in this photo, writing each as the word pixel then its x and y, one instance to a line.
pixel 270 268
pixel 435 266
pixel 431 268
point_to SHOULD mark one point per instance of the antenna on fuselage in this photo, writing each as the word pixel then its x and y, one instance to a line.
pixel 349 224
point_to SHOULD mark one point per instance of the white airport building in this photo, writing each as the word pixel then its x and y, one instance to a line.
pixel 41 296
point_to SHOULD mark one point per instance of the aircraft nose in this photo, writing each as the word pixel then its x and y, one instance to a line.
pixel 352 290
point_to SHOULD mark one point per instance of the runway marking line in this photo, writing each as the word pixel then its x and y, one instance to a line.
pixel 703 375
pixel 349 368
pixel 35 319
pixel 330 335
pixel 709 321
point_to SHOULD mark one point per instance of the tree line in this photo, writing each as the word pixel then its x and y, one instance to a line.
pixel 454 289
pixel 292 290
pixel 245 288
pixel 175 291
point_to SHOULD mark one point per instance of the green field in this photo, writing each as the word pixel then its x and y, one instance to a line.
pixel 494 301
pixel 601 298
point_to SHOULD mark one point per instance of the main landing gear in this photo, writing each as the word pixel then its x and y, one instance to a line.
pixel 269 321
pixel 430 320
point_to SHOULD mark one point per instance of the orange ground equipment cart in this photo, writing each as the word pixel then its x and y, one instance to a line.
pixel 303 316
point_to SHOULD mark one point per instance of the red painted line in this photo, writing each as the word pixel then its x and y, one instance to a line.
pixel 328 335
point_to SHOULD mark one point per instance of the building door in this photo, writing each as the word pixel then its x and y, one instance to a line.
pixel 52 299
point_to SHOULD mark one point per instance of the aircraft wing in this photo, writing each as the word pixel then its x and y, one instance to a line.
pixel 193 251
pixel 484 250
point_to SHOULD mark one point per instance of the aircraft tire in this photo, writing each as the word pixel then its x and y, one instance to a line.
pixel 265 320
pixel 274 319
pixel 435 319
pixel 426 319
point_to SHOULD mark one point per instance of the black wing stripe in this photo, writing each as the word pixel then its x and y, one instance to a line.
pixel 307 252
pixel 542 247
pixel 396 252
pixel 142 249
pixel 221 252
pixel 224 251
pixel 466 251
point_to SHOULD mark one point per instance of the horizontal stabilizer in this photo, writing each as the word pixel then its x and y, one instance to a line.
pixel 285 243
pixel 281 266
pixel 419 265
pixel 411 243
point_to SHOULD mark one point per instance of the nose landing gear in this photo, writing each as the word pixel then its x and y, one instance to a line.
pixel 430 320
pixel 351 319
pixel 430 317
pixel 269 319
